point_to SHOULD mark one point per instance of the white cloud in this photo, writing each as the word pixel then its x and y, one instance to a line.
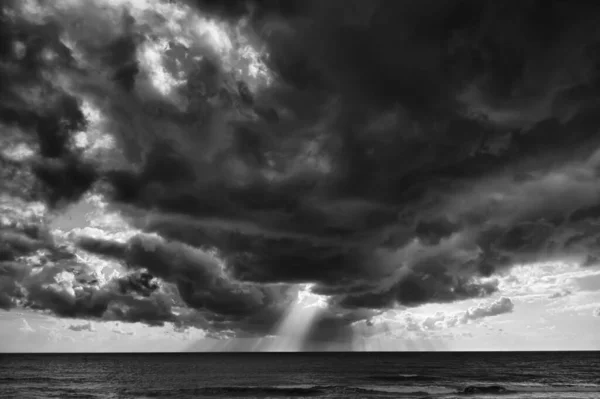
pixel 441 320
pixel 17 211
pixel 597 312
pixel 500 306
pixel 434 322
pixel 549 280
pixel 397 323
pixel 26 328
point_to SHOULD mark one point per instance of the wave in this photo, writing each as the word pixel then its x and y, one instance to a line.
pixel 443 390
pixel 486 389
pixel 557 388
pixel 280 391
pixel 276 391
pixel 522 388
pixel 40 379
pixel 403 378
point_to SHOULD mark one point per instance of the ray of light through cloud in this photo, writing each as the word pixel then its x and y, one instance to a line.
pixel 295 324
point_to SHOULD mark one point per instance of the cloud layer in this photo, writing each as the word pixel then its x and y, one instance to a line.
pixel 401 154
pixel 500 306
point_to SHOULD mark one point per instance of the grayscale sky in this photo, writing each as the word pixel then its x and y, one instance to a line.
pixel 299 175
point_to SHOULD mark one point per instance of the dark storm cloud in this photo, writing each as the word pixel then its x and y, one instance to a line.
pixel 10 291
pixel 70 293
pixel 36 273
pixel 14 243
pixel 201 280
pixel 404 152
pixel 199 277
pixel 386 156
pixel 32 54
pixel 121 57
pixel 431 232
pixel 204 283
pixel 38 110
pixel 74 292
pixel 101 246
pixel 140 283
pixel 417 289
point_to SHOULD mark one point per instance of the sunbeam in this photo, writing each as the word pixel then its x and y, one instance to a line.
pixel 296 323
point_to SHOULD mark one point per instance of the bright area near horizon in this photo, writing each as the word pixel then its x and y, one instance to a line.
pixel 553 307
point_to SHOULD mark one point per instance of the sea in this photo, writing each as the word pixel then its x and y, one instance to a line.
pixel 405 375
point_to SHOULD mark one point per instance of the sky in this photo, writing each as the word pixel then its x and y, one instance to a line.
pixel 299 175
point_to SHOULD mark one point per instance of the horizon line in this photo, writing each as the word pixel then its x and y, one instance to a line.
pixel 296 352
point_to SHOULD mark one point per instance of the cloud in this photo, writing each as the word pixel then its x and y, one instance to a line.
pixel 76 294
pixel 101 246
pixel 26 328
pixel 549 280
pixel 408 325
pixel 82 327
pixel 560 294
pixel 55 280
pixel 204 283
pixel 596 312
pixel 301 150
pixel 119 330
pixel 498 307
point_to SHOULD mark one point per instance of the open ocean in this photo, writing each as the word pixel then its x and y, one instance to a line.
pixel 301 375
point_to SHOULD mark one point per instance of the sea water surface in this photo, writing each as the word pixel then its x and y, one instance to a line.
pixel 302 375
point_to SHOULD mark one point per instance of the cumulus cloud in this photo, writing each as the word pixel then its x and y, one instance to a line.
pixel 498 307
pixel 407 324
pixel 300 150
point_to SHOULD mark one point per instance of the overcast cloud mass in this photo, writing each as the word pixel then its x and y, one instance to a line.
pixel 215 162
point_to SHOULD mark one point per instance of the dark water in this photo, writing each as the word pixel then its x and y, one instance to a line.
pixel 299 375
